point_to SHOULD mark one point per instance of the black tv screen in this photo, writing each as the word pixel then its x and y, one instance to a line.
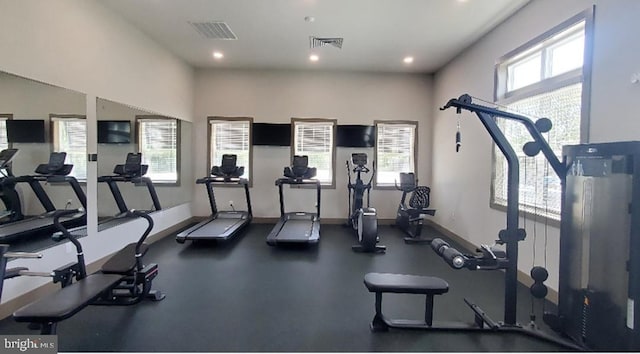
pixel 114 132
pixel 269 134
pixel 25 131
pixel 356 136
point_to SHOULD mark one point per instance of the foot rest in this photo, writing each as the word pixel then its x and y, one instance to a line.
pixel 380 283
pixel 404 284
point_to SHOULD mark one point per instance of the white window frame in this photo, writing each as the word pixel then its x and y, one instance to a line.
pixel 333 123
pixel 4 142
pixel 412 154
pixel 141 120
pixel 542 44
pixel 78 156
pixel 211 143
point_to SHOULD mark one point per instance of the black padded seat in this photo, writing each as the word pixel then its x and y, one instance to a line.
pixel 67 301
pixel 380 283
pixel 124 261
pixel 405 284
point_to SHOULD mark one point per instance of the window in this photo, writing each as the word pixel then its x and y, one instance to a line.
pixel 547 77
pixel 158 143
pixel 69 134
pixel 4 143
pixel 316 138
pixel 231 136
pixel 396 147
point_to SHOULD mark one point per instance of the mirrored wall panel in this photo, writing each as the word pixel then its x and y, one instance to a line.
pixel 143 160
pixel 37 120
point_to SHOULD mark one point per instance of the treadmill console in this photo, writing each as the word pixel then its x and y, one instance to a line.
pixel 228 169
pixel 56 165
pixel 359 159
pixel 132 167
pixel 300 168
pixel 6 156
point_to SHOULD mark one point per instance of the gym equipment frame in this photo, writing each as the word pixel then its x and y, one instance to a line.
pixel 489 260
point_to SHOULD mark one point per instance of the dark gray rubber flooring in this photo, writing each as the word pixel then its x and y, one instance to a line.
pixel 244 296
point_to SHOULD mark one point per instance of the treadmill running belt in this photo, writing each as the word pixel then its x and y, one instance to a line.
pixel 28 225
pixel 214 227
pixel 294 230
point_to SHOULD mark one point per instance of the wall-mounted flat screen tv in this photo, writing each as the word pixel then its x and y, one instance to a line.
pixel 269 134
pixel 25 131
pixel 356 136
pixel 114 132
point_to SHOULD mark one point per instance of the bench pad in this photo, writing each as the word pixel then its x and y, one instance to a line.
pixel 67 301
pixel 123 261
pixel 404 284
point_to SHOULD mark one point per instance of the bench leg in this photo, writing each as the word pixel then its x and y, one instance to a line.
pixel 48 328
pixel 378 324
pixel 428 310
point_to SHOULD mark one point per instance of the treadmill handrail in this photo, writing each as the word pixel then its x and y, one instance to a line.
pixel 281 181
pixel 222 180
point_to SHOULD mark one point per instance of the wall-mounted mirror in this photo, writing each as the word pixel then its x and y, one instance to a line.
pixel 38 119
pixel 165 147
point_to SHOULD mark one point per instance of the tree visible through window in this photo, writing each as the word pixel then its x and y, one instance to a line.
pixel 544 78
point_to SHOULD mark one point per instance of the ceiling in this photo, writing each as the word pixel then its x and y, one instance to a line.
pixel 273 34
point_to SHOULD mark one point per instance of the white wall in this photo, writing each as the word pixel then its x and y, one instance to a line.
pixel 461 182
pixel 277 96
pixel 80 45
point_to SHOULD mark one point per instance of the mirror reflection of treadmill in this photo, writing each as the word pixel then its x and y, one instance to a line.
pixel 297 227
pixel 8 193
pixel 54 172
pixel 222 224
pixel 132 171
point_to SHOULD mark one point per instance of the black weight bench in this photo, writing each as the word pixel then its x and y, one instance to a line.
pixel 66 302
pixel 380 283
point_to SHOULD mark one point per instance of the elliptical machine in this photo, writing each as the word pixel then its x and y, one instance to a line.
pixel 363 220
pixel 409 217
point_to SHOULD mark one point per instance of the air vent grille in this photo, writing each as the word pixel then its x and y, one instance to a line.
pixel 315 42
pixel 214 30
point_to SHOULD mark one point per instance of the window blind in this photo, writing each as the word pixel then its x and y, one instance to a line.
pixel 395 151
pixel 315 140
pixel 230 137
pixel 158 141
pixel 70 136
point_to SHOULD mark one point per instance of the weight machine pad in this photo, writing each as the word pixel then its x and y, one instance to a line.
pixel 405 284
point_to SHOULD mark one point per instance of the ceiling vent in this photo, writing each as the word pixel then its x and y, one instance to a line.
pixel 214 30
pixel 316 42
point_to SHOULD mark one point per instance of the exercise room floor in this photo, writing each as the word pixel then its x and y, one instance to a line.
pixel 244 296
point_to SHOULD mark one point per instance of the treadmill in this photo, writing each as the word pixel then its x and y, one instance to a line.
pixel 54 172
pixel 297 227
pixel 8 193
pixel 221 225
pixel 132 171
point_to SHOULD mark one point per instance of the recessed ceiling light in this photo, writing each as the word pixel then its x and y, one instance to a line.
pixel 313 57
pixel 218 55
pixel 408 60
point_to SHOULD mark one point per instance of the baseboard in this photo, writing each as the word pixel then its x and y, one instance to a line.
pixel 8 308
pixel 523 278
pixel 324 221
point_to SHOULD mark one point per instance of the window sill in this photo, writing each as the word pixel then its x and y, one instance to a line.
pixel 528 215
